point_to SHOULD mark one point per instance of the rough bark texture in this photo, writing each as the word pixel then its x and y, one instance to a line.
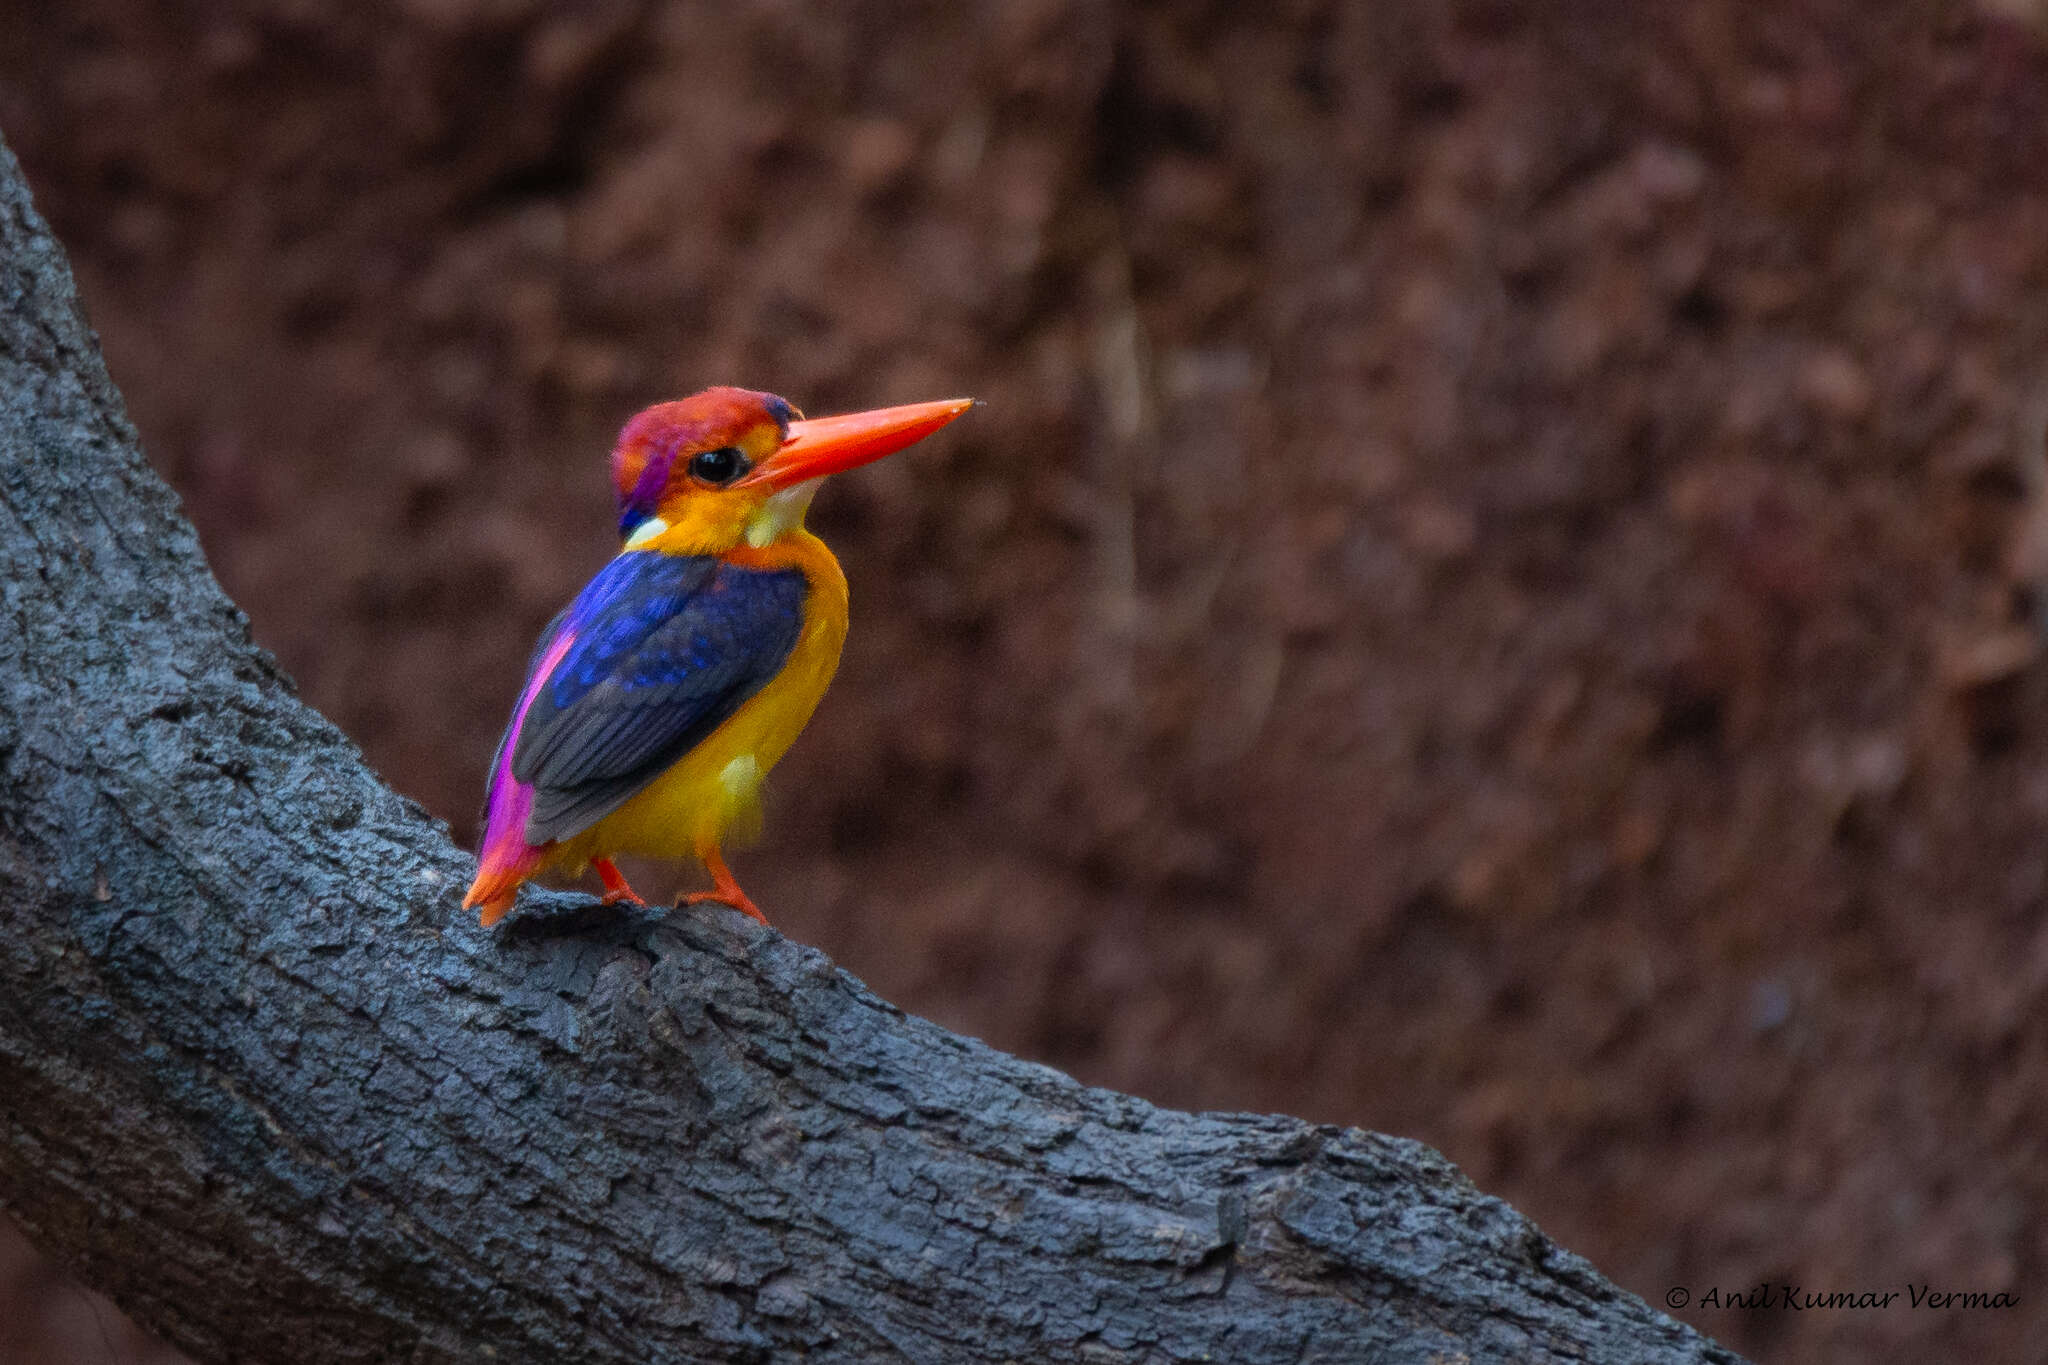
pixel 263 1081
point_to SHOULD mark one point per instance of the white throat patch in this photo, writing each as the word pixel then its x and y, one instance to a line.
pixel 781 513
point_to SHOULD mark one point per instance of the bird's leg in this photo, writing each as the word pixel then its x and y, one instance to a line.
pixel 725 887
pixel 615 888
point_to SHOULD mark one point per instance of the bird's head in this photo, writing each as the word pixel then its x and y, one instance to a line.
pixel 706 473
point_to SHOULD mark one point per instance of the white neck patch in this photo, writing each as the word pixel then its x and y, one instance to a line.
pixel 645 531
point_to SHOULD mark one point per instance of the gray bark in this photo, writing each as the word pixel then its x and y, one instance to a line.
pixel 265 1083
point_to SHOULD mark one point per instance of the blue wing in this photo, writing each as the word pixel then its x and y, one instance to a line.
pixel 665 649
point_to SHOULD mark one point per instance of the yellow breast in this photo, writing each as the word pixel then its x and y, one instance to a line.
pixel 714 790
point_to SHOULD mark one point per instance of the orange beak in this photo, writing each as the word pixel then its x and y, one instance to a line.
pixel 827 445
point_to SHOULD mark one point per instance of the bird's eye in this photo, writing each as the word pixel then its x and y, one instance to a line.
pixel 719 466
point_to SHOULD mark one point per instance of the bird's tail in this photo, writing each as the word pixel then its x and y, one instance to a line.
pixel 504 859
pixel 493 892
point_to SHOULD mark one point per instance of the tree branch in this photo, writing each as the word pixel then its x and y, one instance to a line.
pixel 264 1082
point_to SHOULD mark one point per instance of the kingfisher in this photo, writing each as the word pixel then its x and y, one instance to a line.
pixel 657 701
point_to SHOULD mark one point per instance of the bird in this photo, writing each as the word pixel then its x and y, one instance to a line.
pixel 656 702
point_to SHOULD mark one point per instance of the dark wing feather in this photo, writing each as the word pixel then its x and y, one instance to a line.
pixel 667 648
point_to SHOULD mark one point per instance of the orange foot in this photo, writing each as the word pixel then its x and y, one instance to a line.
pixel 725 889
pixel 615 888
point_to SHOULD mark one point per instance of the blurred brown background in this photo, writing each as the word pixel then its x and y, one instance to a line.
pixel 1494 596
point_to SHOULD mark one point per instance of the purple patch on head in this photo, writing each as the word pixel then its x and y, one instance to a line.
pixel 641 503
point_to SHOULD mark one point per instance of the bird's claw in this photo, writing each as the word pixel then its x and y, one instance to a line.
pixel 732 900
pixel 616 891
